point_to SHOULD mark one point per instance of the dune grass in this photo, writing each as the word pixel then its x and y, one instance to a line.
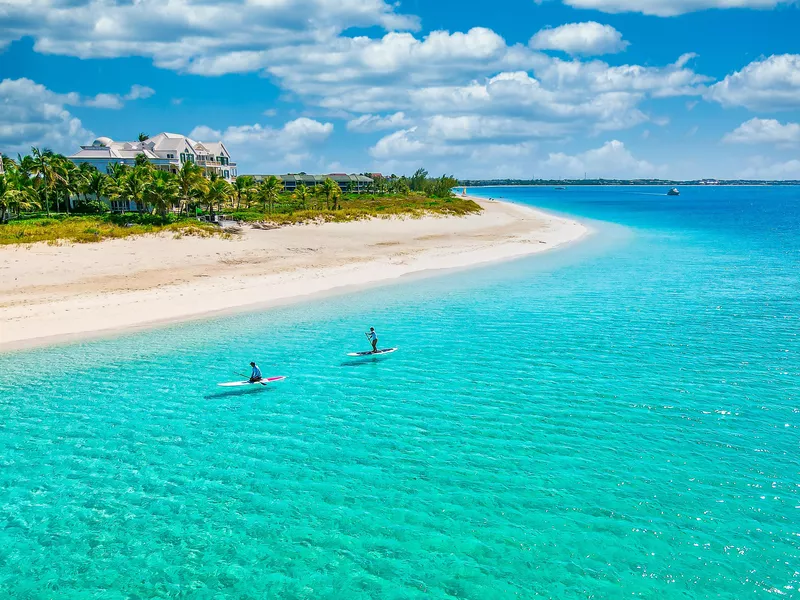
pixel 354 207
pixel 286 211
pixel 84 229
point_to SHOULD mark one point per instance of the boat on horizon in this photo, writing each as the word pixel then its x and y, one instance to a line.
pixel 674 192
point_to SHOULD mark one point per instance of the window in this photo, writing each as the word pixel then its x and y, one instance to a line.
pixel 227 174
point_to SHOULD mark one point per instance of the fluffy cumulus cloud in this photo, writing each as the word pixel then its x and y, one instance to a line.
pixel 269 149
pixel 117 101
pixel 764 131
pixel 180 34
pixel 611 160
pixel 34 115
pixel 369 123
pixel 669 8
pixel 769 84
pixel 580 38
pixel 761 167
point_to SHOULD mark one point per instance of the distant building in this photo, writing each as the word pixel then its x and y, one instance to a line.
pixel 165 151
pixel 2 170
pixel 355 183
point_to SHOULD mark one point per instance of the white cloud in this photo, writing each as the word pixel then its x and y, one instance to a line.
pixel 469 128
pixel 115 101
pixel 764 131
pixel 763 168
pixel 139 92
pixel 267 149
pixel 33 115
pixel 612 160
pixel 368 123
pixel 589 38
pixel 769 84
pixel 669 8
pixel 112 101
pixel 182 34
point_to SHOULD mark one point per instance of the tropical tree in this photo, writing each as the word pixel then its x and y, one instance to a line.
pixel 98 185
pixel 242 188
pixel 14 195
pixel 218 192
pixel 301 193
pixel 42 164
pixel 161 192
pixel 8 163
pixel 331 191
pixel 141 160
pixel 418 181
pixel 191 184
pixel 268 191
pixel 131 187
pixel 143 137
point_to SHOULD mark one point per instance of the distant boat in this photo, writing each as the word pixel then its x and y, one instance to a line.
pixel 674 192
pixel 561 188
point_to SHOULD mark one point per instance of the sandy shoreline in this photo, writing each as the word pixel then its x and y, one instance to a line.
pixel 51 294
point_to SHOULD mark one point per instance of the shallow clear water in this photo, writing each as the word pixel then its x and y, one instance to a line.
pixel 618 419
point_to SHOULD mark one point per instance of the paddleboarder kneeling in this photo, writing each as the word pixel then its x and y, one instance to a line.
pixel 373 337
pixel 256 374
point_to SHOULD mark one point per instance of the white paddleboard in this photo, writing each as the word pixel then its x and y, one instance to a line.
pixel 241 383
pixel 371 353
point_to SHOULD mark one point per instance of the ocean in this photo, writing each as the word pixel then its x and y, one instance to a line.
pixel 616 419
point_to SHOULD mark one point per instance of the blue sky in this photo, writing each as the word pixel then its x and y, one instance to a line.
pixel 551 88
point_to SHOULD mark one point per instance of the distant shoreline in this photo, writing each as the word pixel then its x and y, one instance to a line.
pixel 57 294
pixel 651 185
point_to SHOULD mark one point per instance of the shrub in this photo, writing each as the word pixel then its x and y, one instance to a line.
pixel 91 207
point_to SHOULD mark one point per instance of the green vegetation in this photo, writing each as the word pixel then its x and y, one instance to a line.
pixel 44 197
pixel 295 209
pixel 58 228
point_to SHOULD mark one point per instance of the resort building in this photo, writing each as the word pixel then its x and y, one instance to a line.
pixel 353 183
pixel 165 151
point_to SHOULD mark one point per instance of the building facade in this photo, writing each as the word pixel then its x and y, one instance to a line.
pixel 165 151
pixel 354 183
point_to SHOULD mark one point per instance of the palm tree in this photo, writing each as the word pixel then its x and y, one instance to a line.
pixel 141 160
pixel 131 187
pixel 332 191
pixel 218 192
pixel 41 164
pixel 14 195
pixel 191 184
pixel 161 192
pixel 301 193
pixel 117 170
pixel 98 185
pixel 242 188
pixel 269 190
pixel 143 137
pixel 8 163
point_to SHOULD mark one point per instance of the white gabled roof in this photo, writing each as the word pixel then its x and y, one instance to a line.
pixel 104 147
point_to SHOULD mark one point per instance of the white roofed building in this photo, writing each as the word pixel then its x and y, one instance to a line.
pixel 165 151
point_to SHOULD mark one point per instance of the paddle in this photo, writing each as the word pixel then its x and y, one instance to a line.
pixel 248 378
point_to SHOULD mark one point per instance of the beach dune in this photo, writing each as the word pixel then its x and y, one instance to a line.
pixel 50 294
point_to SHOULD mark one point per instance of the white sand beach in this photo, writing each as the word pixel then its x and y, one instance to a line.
pixel 50 294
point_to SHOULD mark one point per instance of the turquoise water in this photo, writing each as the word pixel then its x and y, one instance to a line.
pixel 618 419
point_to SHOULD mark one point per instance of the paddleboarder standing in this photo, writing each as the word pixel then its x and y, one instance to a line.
pixel 373 338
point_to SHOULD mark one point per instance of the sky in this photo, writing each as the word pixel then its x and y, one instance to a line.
pixel 678 89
